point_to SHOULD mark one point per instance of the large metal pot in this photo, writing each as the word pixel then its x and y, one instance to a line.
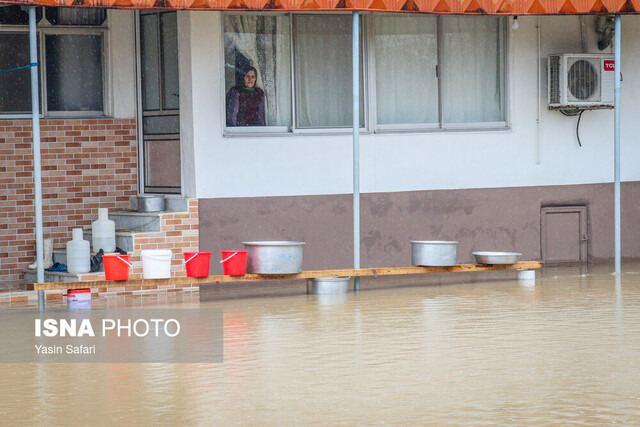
pixel 274 257
pixel 150 202
pixel 433 253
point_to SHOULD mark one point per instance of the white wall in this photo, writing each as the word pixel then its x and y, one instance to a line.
pixel 299 165
pixel 122 65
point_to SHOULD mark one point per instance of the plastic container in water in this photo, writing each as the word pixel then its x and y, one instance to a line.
pixel 116 266
pixel 78 299
pixel 156 263
pixel 197 263
pixel 78 253
pixel 103 232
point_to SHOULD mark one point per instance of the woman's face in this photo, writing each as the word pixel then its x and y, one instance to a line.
pixel 250 79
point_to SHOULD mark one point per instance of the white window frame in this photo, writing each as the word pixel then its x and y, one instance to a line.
pixel 235 131
pixel 44 28
pixel 367 29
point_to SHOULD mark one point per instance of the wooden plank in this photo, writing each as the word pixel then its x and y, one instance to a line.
pixel 312 274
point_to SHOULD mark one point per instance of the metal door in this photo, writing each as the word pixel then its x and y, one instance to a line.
pixel 564 234
pixel 158 106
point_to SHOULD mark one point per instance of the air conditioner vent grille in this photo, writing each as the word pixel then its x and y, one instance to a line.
pixel 554 79
pixel 582 80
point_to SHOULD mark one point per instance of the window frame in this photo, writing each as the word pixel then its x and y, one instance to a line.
pixel 368 71
pixel 44 28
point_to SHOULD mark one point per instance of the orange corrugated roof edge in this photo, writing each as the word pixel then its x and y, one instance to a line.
pixel 472 7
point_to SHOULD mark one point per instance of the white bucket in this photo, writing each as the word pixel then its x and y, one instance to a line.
pixel 156 263
pixel 78 299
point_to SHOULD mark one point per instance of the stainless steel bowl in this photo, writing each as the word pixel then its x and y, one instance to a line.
pixel 497 257
pixel 433 253
pixel 150 202
pixel 274 257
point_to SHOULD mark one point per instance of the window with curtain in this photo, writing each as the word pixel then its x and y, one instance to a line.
pixel 323 74
pixel 70 48
pixel 473 76
pixel 260 47
pixel 406 50
pixel 421 72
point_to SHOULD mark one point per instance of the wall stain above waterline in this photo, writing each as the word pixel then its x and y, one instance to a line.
pixel 430 206
pixel 379 206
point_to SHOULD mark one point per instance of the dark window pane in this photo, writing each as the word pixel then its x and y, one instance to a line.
pixel 161 125
pixel 15 86
pixel 14 15
pixel 150 62
pixel 74 72
pixel 75 16
pixel 170 60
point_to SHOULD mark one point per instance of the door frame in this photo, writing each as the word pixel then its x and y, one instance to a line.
pixel 582 211
pixel 142 152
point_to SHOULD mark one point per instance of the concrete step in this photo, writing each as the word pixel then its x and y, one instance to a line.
pixel 172 203
pixel 135 221
pixel 31 276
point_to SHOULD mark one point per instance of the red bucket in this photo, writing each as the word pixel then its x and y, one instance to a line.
pixel 116 266
pixel 234 263
pixel 197 263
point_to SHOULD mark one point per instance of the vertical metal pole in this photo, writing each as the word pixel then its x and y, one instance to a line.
pixel 616 185
pixel 37 178
pixel 356 145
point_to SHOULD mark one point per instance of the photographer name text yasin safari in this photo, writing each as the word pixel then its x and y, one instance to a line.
pixel 119 327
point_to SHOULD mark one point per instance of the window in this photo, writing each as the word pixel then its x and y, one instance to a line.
pixel 160 83
pixel 261 42
pixel 71 64
pixel 323 76
pixel 417 72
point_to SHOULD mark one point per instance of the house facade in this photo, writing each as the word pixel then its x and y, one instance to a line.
pixel 456 140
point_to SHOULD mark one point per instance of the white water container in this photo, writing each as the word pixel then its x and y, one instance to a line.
pixel 78 299
pixel 78 253
pixel 156 263
pixel 103 232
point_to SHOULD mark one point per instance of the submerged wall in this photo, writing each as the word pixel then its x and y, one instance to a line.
pixel 502 219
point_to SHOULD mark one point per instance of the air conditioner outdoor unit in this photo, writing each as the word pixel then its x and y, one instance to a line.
pixel 582 81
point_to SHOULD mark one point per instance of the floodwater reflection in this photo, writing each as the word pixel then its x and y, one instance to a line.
pixel 564 351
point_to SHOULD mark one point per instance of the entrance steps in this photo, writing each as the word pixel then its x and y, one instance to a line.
pixel 175 228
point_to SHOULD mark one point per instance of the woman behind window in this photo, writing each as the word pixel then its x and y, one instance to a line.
pixel 245 101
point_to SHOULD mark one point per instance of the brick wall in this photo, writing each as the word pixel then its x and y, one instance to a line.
pixel 178 232
pixel 86 164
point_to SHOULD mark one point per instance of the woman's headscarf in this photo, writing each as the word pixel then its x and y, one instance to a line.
pixel 240 79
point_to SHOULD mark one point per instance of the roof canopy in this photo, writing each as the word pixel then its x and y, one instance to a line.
pixel 473 7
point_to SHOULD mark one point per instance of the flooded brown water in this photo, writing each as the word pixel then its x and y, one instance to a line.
pixel 564 351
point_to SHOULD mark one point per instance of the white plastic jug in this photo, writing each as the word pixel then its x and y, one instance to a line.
pixel 78 253
pixel 103 232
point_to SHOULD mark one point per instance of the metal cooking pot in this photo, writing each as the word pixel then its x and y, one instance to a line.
pixel 150 202
pixel 433 253
pixel 274 257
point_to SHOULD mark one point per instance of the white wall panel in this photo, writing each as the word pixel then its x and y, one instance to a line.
pixel 299 165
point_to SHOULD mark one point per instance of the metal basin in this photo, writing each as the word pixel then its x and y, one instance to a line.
pixel 274 257
pixel 150 203
pixel 497 257
pixel 433 253
pixel 329 286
